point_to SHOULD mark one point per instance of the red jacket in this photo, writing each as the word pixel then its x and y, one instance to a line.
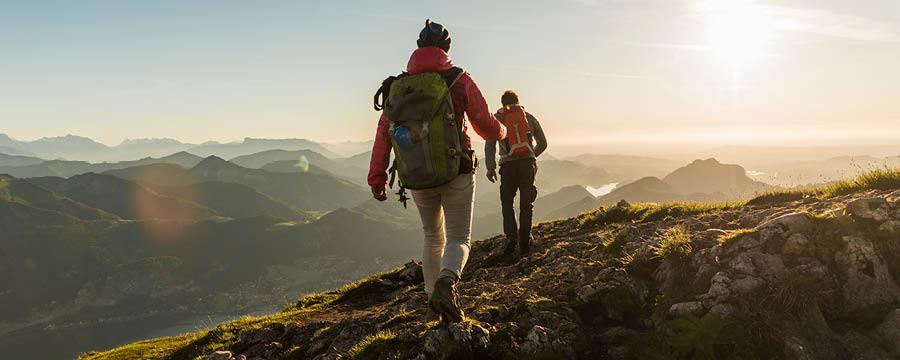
pixel 465 94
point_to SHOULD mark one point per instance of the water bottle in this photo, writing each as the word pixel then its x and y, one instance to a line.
pixel 403 137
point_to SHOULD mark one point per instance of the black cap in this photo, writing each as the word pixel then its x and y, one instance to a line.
pixel 434 34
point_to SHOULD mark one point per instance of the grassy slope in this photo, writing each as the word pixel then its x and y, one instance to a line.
pixel 334 305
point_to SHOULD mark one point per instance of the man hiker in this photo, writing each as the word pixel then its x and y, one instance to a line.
pixel 423 123
pixel 518 167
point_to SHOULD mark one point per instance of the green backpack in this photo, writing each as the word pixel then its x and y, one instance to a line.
pixel 423 128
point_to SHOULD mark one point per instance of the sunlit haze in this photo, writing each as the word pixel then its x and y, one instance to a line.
pixel 597 73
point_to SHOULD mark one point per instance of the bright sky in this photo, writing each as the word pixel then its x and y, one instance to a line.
pixel 591 70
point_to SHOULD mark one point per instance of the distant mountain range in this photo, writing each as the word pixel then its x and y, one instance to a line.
pixel 33 167
pixel 103 246
pixel 701 180
pixel 72 147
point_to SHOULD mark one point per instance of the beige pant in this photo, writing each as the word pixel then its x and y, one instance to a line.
pixel 446 213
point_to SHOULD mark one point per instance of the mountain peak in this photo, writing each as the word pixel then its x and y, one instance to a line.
pixel 212 160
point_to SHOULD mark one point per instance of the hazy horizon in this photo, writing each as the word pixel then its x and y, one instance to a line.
pixel 727 72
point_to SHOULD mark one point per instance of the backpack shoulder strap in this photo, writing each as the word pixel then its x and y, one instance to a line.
pixel 384 91
pixel 452 75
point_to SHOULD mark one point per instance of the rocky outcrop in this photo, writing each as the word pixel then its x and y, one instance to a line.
pixel 803 279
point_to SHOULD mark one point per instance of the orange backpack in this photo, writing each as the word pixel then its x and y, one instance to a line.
pixel 516 122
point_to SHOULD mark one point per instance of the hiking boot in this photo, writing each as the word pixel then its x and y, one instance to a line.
pixel 445 299
pixel 525 245
pixel 430 315
pixel 510 245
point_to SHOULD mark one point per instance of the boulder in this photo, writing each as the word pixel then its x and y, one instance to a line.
pixel 411 273
pixel 541 340
pixel 795 244
pixel 686 308
pixel 867 281
pixel 616 296
pixel 875 209
pixel 785 225
pixel 456 341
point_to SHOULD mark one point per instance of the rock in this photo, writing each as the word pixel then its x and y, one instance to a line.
pixel 889 330
pixel 456 341
pixel 623 204
pixel 411 273
pixel 721 310
pixel 785 225
pixel 220 355
pixel 265 350
pixel 890 226
pixel 686 308
pixel 795 245
pixel 867 280
pixel 541 340
pixel 616 296
pixel 707 238
pixel 266 334
pixel 746 285
pixel 718 289
pixel 811 267
pixel 876 209
pixel 754 263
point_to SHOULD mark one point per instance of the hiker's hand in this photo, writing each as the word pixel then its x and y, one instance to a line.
pixel 492 175
pixel 379 192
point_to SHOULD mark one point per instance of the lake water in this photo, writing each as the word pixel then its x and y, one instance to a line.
pixel 602 190
pixel 67 343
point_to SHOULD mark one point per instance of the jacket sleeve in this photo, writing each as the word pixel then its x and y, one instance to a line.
pixel 381 154
pixel 483 122
pixel 538 133
pixel 490 154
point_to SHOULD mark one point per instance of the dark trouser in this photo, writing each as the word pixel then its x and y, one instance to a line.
pixel 518 175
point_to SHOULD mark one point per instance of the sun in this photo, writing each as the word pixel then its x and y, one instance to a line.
pixel 738 32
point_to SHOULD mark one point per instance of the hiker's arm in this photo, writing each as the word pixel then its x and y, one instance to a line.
pixel 490 154
pixel 381 154
pixel 480 116
pixel 538 133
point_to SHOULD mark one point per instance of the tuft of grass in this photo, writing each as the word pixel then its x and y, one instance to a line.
pixel 878 179
pixel 647 212
pixel 675 245
pixel 612 215
pixel 676 209
pixel 381 345
pixel 724 239
pixel 399 318
pixel 616 243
